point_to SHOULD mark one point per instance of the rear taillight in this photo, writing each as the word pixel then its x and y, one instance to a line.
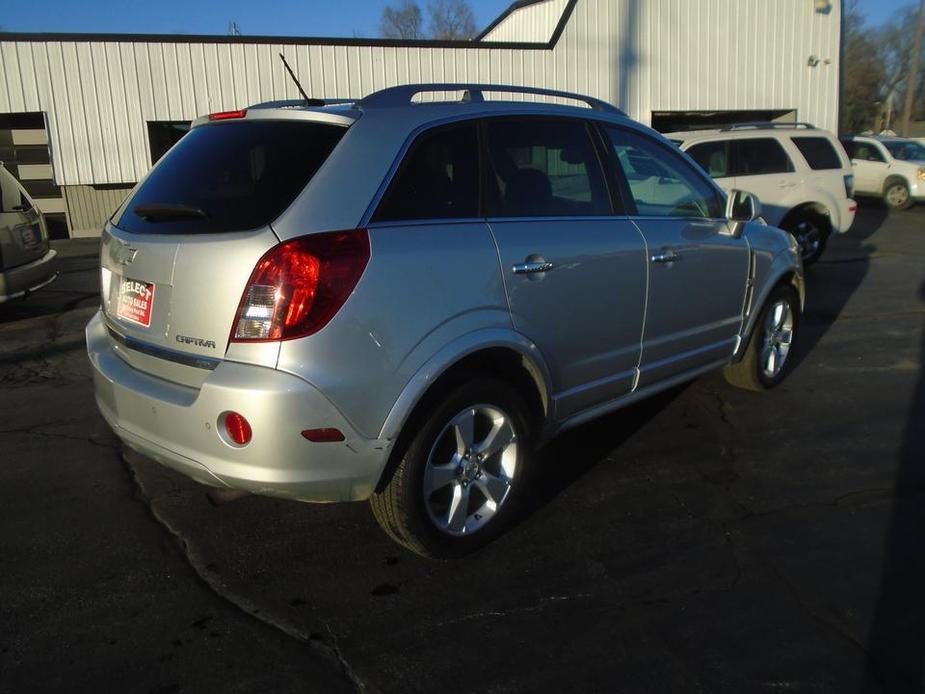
pixel 849 185
pixel 299 285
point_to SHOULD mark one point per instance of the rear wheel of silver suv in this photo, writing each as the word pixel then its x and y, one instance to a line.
pixel 458 481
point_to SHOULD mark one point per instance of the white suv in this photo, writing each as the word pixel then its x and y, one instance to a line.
pixel 889 167
pixel 799 172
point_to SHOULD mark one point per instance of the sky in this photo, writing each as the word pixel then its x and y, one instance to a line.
pixel 266 17
pixel 880 11
pixel 260 17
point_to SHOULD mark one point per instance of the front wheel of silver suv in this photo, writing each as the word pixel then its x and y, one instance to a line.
pixel 460 477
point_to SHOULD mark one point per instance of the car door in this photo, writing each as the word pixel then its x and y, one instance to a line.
pixel 870 167
pixel 697 268
pixel 762 166
pixel 574 271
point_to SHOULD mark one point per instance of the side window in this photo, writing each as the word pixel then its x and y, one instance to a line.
pixel 850 148
pixel 762 155
pixel 713 158
pixel 818 152
pixel 540 167
pixel 867 152
pixel 660 181
pixel 438 179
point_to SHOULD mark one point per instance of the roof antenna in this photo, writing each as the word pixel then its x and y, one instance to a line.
pixel 308 101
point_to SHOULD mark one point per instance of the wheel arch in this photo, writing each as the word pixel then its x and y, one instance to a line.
pixel 891 179
pixel 783 275
pixel 514 360
pixel 808 206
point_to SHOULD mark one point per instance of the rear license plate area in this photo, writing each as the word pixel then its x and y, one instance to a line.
pixel 135 301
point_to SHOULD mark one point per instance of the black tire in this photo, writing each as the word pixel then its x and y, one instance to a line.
pixel 896 194
pixel 408 516
pixel 749 373
pixel 811 230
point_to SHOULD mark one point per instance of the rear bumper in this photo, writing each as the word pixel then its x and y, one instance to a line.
pixel 25 279
pixel 178 427
pixel 846 213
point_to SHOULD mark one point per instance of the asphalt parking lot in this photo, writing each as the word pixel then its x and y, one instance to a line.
pixel 709 540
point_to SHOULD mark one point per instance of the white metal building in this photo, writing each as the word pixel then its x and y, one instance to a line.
pixel 106 101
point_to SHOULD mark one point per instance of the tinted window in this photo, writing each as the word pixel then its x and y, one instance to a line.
pixel 713 158
pixel 906 150
pixel 661 182
pixel 818 152
pixel 849 147
pixel 761 156
pixel 439 178
pixel 542 168
pixel 239 176
pixel 866 151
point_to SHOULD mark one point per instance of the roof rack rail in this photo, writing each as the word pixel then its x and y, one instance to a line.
pixel 402 95
pixel 297 103
pixel 770 125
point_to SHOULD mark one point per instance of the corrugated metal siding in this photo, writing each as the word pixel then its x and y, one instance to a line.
pixel 644 55
pixel 88 208
pixel 531 23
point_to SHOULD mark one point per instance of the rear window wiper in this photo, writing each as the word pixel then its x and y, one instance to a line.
pixel 160 211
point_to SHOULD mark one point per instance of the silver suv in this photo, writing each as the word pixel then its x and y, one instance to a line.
pixel 26 261
pixel 399 301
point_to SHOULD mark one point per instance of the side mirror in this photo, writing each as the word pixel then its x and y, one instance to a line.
pixel 742 207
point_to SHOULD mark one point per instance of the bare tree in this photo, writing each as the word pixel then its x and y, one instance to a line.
pixel 404 21
pixel 864 73
pixel 451 20
pixel 914 60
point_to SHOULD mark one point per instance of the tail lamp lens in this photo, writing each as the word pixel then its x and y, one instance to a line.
pixel 228 115
pixel 238 428
pixel 299 285
pixel 849 185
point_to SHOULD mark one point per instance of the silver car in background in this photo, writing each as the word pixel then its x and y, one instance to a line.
pixel 399 300
pixel 27 263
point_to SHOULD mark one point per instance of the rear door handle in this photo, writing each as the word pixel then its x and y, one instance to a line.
pixel 666 256
pixel 532 268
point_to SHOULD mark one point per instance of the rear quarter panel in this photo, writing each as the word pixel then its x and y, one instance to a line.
pixel 426 286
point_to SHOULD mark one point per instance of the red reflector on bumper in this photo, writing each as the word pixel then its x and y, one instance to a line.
pixel 238 428
pixel 323 435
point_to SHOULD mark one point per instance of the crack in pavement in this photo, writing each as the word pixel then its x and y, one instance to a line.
pixel 327 648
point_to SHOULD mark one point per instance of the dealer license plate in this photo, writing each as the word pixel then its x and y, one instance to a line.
pixel 29 238
pixel 135 301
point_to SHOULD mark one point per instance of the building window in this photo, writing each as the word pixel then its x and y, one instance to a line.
pixel 162 135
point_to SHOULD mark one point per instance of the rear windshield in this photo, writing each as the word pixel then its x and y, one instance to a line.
pixel 229 177
pixel 818 152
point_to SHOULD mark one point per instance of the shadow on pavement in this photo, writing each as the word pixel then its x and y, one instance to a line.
pixel 833 280
pixel 571 454
pixel 896 644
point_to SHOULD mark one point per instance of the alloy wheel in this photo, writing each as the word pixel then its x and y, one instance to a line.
pixel 778 337
pixel 897 195
pixel 470 469
pixel 809 238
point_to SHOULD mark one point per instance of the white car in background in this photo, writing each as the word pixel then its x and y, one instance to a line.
pixel 800 173
pixel 889 167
